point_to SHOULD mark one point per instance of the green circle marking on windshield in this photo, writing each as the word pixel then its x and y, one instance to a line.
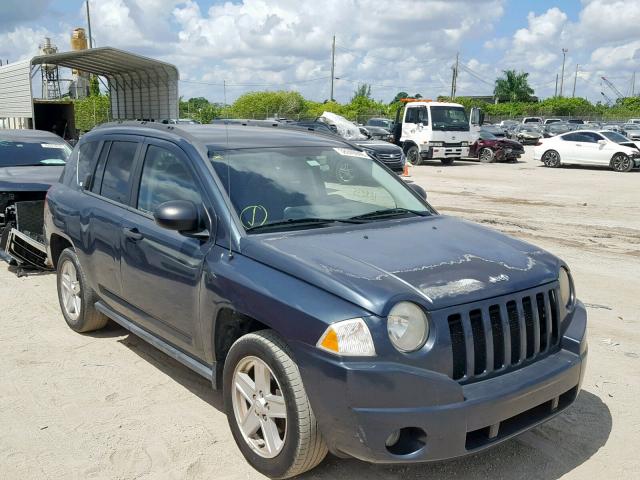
pixel 254 216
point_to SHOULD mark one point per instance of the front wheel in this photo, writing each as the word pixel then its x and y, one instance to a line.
pixel 267 407
pixel 413 155
pixel 446 161
pixel 551 159
pixel 487 155
pixel 621 163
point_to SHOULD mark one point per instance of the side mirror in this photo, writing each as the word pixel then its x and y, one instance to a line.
pixel 602 142
pixel 178 215
pixel 481 117
pixel 419 190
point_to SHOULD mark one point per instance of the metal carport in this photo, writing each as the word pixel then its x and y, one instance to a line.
pixel 139 87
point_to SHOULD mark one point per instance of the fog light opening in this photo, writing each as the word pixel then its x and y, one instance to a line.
pixel 406 441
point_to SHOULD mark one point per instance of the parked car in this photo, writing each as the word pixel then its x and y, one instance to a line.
pixel 377 133
pixel 634 120
pixel 494 130
pixel 632 130
pixel 180 121
pixel 576 121
pixel 548 121
pixel 314 306
pixel 586 147
pixel 553 129
pixel 526 134
pixel 532 120
pixel 30 162
pixel 381 122
pixel 490 148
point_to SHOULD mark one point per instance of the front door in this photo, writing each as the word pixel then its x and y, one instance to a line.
pixel 161 268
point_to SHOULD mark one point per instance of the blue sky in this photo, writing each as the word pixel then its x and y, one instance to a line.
pixel 285 44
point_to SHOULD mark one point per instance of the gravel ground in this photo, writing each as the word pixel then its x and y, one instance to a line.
pixel 107 405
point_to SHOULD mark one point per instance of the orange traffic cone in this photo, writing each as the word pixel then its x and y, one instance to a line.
pixel 405 170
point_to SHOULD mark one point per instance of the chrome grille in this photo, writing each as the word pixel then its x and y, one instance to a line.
pixel 492 338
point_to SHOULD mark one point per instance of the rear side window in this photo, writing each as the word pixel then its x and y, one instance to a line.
pixel 165 177
pixel 117 171
pixel 87 158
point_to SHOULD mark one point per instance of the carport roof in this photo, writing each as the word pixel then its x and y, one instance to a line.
pixel 106 61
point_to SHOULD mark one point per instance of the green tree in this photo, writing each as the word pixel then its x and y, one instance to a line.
pixel 94 86
pixel 513 87
pixel 398 96
pixel 363 90
pixel 269 104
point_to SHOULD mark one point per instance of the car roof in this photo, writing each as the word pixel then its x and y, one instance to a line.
pixel 30 136
pixel 231 136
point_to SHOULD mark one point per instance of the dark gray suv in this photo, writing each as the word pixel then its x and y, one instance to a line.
pixel 350 318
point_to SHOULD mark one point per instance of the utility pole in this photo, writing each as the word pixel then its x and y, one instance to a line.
pixel 633 85
pixel 556 92
pixel 564 56
pixel 454 78
pixel 574 82
pixel 333 65
pixel 89 25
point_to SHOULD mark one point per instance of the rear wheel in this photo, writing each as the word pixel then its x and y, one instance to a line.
pixel 621 163
pixel 487 155
pixel 76 298
pixel 267 407
pixel 446 161
pixel 551 159
pixel 413 155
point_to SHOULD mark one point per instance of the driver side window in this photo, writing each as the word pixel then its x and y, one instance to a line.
pixel 412 115
pixel 165 177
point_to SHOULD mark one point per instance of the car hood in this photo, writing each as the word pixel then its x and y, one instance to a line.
pixel 438 261
pixel 29 179
pixel 505 143
pixel 378 146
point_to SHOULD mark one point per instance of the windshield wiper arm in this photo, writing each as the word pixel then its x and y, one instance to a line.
pixel 301 222
pixel 389 212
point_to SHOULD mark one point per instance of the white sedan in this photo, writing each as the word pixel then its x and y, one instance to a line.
pixel 589 147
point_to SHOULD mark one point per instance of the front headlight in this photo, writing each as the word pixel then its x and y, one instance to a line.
pixel 407 326
pixel 436 144
pixel 464 144
pixel 567 292
pixel 349 338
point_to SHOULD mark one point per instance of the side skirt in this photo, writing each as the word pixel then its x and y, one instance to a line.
pixel 207 371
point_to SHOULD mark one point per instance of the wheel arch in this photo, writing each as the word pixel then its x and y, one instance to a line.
pixel 57 244
pixel 408 144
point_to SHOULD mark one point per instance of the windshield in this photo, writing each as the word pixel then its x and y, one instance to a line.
pixel 30 152
pixel 279 189
pixel 615 137
pixel 449 118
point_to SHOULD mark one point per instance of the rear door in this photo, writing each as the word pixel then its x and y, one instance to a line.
pixel 102 211
pixel 162 269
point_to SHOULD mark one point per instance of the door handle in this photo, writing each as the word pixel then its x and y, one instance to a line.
pixel 132 234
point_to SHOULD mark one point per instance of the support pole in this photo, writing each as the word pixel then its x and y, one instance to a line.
pixel 333 65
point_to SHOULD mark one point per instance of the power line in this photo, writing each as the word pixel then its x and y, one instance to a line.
pixel 215 84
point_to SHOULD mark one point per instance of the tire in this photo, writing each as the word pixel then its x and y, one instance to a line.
pixel 77 299
pixel 344 172
pixel 413 155
pixel 621 163
pixel 447 161
pixel 299 445
pixel 486 155
pixel 551 159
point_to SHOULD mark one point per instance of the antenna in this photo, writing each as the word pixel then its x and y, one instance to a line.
pixel 226 159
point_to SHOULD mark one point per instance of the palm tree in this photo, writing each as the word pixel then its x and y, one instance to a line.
pixel 513 87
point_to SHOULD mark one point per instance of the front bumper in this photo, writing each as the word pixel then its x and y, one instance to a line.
pixel 431 153
pixel 358 404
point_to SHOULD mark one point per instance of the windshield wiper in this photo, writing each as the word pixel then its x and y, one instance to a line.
pixel 389 212
pixel 300 222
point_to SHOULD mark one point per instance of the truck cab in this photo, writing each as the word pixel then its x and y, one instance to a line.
pixel 429 130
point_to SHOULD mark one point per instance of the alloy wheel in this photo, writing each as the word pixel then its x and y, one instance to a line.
pixel 71 290
pixel 621 163
pixel 259 407
pixel 552 159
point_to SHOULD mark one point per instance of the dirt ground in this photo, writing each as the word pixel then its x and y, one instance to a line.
pixel 107 405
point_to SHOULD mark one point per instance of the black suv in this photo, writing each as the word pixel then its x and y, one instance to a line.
pixel 349 318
